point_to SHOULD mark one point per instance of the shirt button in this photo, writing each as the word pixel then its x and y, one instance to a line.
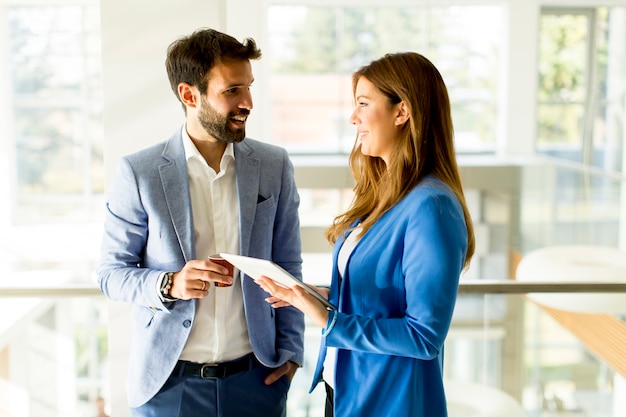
pixel 187 323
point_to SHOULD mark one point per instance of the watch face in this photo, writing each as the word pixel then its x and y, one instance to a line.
pixel 166 283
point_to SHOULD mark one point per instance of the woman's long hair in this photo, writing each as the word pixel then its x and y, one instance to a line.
pixel 425 144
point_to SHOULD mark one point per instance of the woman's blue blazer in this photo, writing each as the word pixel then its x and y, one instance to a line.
pixel 395 304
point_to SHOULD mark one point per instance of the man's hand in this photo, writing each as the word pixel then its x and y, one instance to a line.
pixel 288 368
pixel 194 280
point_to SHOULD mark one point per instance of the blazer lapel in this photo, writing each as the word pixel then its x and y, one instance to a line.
pixel 247 171
pixel 176 189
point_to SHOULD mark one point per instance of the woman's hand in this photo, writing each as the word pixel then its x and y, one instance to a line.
pixel 297 297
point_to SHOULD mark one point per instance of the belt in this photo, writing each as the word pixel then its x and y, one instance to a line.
pixel 216 370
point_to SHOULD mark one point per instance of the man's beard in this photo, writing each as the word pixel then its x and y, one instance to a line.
pixel 218 126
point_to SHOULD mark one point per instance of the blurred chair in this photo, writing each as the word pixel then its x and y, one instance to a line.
pixel 591 317
pixel 576 263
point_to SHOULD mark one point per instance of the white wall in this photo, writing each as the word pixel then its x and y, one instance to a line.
pixel 139 106
pixel 7 147
pixel 521 79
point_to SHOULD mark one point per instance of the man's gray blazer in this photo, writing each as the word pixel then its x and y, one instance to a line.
pixel 148 229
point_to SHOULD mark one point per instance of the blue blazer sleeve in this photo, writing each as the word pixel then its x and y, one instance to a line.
pixel 141 239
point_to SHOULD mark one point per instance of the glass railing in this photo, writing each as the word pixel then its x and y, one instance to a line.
pixel 503 347
pixel 54 358
pixel 549 360
pixel 504 350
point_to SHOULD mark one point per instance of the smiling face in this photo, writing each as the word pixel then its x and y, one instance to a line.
pixel 376 120
pixel 227 102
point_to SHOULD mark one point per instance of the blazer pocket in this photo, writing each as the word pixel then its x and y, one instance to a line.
pixel 261 234
pixel 143 316
pixel 264 203
pixel 265 212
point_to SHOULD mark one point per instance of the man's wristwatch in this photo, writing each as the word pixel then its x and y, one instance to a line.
pixel 166 285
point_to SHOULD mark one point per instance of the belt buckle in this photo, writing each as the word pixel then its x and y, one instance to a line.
pixel 209 371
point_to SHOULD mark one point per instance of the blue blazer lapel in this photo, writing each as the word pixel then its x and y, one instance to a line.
pixel 247 171
pixel 174 179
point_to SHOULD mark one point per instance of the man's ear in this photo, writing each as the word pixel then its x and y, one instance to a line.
pixel 188 94
pixel 402 114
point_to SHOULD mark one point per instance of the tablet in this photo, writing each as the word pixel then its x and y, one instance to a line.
pixel 255 268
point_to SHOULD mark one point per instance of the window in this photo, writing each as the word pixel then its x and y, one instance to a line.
pixel 313 51
pixel 56 129
pixel 581 105
pixel 54 140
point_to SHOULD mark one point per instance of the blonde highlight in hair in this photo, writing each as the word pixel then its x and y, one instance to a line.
pixel 425 144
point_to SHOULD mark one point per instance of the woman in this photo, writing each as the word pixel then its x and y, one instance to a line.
pixel 398 250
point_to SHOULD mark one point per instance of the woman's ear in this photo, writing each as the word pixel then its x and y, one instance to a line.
pixel 188 94
pixel 402 114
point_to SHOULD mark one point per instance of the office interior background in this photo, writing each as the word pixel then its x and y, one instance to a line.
pixel 538 91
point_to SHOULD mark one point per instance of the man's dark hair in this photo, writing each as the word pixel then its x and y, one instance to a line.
pixel 190 58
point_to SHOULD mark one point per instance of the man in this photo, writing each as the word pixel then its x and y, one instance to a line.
pixel 100 407
pixel 205 343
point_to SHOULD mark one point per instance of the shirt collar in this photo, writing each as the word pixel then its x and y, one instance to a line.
pixel 191 151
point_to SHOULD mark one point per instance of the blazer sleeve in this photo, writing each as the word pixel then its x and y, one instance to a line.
pixel 122 275
pixel 432 258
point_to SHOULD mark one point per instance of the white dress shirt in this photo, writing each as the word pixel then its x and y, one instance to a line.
pixel 219 332
pixel 342 263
